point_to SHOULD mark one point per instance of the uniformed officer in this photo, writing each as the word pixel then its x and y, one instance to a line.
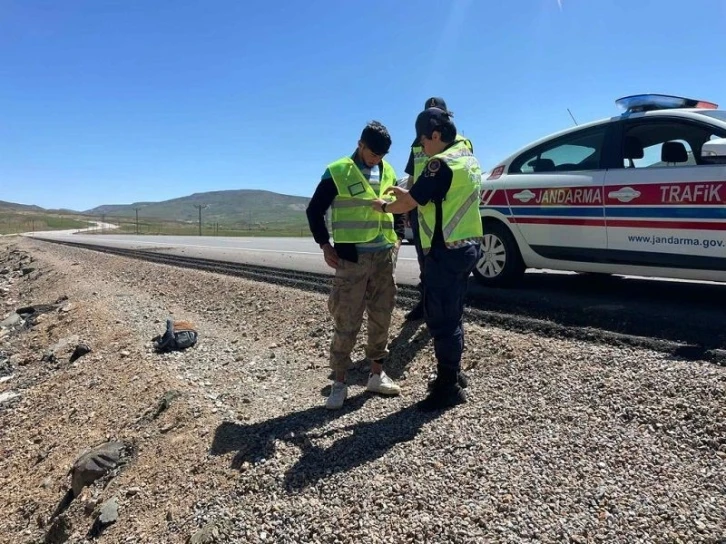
pixel 414 167
pixel 447 197
pixel 364 256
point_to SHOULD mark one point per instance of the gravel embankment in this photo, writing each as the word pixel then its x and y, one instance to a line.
pixel 561 441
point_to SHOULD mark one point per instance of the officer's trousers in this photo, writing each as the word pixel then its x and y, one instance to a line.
pixel 447 273
pixel 368 285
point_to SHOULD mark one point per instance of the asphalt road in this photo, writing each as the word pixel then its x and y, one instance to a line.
pixel 290 253
pixel 682 312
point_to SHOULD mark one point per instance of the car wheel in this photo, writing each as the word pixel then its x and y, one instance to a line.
pixel 500 263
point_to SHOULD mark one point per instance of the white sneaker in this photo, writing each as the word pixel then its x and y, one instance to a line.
pixel 338 394
pixel 382 384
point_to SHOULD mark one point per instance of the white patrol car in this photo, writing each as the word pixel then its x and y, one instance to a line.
pixel 638 194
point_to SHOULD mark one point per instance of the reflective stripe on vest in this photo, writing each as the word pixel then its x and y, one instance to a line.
pixel 420 159
pixel 351 203
pixel 460 208
pixel 353 218
pixel 362 224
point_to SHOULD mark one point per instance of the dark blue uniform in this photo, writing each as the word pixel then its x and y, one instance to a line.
pixel 447 272
pixel 417 312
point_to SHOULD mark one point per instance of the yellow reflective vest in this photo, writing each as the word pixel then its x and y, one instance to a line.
pixel 420 159
pixel 353 218
pixel 460 209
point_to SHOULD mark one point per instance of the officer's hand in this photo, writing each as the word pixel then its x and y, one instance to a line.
pixel 377 203
pixel 398 191
pixel 331 256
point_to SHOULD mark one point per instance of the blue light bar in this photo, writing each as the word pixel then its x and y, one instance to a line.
pixel 649 102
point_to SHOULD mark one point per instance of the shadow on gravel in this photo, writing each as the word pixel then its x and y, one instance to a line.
pixel 403 349
pixel 363 442
pixel 357 375
pixel 671 311
pixel 257 440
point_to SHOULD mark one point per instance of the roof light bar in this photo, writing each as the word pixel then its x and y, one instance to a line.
pixel 649 102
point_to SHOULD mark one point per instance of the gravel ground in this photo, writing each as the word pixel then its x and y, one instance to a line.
pixel 561 441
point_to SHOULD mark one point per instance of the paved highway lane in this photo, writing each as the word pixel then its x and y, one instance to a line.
pixel 684 313
pixel 289 253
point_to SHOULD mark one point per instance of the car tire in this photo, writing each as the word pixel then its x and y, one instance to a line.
pixel 500 264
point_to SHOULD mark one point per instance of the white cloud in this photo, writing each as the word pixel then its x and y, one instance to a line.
pixel 559 4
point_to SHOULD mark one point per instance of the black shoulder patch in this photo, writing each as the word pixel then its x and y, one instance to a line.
pixel 433 166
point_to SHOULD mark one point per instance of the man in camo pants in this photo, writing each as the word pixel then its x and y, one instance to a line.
pixel 364 257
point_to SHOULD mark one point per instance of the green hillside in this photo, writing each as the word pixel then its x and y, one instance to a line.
pixel 15 220
pixel 240 207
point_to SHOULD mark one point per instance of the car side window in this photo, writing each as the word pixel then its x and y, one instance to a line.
pixel 658 143
pixel 653 156
pixel 577 151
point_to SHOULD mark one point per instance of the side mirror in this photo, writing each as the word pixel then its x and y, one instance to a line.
pixel 714 151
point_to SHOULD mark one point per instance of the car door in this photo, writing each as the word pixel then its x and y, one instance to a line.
pixel 665 206
pixel 555 194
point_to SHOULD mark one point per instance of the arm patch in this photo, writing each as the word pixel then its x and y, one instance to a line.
pixel 432 167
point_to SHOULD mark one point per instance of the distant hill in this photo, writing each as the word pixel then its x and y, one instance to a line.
pixel 29 208
pixel 229 207
pixel 11 206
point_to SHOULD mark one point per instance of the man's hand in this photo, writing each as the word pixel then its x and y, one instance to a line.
pixel 376 204
pixel 397 191
pixel 331 256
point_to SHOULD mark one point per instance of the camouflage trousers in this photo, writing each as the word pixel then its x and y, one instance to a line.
pixel 368 285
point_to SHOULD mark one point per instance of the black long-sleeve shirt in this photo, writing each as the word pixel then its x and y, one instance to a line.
pixel 323 197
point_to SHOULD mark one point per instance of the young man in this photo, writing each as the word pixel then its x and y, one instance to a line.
pixel 417 160
pixel 447 197
pixel 364 256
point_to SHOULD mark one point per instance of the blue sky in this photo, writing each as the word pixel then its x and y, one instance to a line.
pixel 112 102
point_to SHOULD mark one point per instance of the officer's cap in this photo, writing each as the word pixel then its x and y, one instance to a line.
pixel 437 102
pixel 432 119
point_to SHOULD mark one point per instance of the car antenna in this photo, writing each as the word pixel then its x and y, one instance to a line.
pixel 573 117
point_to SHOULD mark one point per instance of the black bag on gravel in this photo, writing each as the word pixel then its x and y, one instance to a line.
pixel 179 335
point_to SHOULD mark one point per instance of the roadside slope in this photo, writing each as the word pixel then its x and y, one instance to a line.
pixel 561 440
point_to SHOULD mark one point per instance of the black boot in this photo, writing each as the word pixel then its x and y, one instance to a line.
pixel 445 393
pixel 417 312
pixel 461 378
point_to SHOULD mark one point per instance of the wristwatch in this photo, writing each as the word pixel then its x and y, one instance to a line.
pixel 383 207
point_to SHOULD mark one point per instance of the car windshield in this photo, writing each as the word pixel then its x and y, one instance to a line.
pixel 716 114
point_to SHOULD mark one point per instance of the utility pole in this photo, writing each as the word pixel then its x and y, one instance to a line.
pixel 137 219
pixel 200 207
